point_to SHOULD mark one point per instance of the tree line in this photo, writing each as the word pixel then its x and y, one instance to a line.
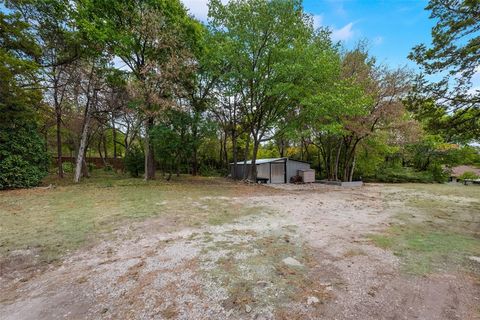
pixel 144 81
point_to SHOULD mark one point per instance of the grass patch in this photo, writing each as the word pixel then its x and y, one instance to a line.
pixel 51 222
pixel 424 250
pixel 435 234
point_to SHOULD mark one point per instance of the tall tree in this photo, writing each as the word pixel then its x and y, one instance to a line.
pixel 153 39
pixel 454 56
pixel 52 24
pixel 23 160
pixel 267 38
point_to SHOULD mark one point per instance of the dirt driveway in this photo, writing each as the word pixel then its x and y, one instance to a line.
pixel 308 255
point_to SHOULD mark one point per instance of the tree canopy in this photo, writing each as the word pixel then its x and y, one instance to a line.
pixel 142 86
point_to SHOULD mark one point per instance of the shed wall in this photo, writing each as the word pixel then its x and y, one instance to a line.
pixel 293 166
pixel 263 170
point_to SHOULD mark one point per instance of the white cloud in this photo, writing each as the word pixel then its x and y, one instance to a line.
pixel 343 34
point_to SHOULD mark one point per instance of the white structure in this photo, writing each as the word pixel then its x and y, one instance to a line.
pixel 275 170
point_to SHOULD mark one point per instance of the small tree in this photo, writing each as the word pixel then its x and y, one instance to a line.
pixel 134 161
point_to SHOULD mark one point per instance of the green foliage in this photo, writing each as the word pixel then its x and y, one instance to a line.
pixel 461 125
pixel 210 171
pixel 454 55
pixel 67 167
pixel 23 160
pixel 177 136
pixel 134 161
pixel 265 50
pixel 403 175
pixel 469 175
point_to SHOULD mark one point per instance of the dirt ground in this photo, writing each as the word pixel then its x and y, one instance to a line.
pixel 238 270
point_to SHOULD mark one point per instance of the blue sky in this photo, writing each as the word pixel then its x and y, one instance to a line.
pixel 392 27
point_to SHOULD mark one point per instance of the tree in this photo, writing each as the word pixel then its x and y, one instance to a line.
pixel 455 56
pixel 23 161
pixel 266 39
pixel 52 25
pixel 153 38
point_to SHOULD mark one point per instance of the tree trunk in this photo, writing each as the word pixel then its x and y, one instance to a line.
pixel 246 172
pixel 195 161
pixel 352 167
pixel 114 136
pixel 59 141
pixel 100 153
pixel 82 147
pixel 253 167
pixel 225 151
pixel 234 153
pixel 220 156
pixel 85 172
pixel 105 149
pixel 337 161
pixel 149 155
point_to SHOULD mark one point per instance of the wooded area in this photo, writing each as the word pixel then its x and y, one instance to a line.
pixel 145 82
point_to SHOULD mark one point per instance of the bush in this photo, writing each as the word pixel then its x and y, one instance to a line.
pixel 67 167
pixel 401 175
pixel 135 161
pixel 91 166
pixel 439 174
pixel 23 159
pixel 209 171
pixel 469 175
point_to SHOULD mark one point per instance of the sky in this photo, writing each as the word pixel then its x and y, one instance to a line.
pixel 392 27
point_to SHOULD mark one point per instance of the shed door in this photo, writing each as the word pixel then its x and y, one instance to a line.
pixel 278 172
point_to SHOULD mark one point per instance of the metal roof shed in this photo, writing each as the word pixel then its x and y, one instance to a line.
pixel 275 170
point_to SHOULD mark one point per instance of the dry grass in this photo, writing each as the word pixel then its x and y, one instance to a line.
pixel 438 229
pixel 51 222
pixel 252 272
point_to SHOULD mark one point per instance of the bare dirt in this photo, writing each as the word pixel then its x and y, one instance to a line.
pixel 235 270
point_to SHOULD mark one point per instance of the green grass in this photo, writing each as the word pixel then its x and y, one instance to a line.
pixel 424 251
pixel 437 231
pixel 51 222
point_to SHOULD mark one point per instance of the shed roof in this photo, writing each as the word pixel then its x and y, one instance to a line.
pixel 268 160
pixel 458 171
pixel 260 161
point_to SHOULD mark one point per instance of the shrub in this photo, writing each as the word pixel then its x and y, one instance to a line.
pixel 439 174
pixel 23 159
pixel 67 167
pixel 401 175
pixel 469 175
pixel 91 166
pixel 135 161
pixel 209 171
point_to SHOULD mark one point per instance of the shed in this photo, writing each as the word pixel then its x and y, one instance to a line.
pixel 456 172
pixel 273 170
